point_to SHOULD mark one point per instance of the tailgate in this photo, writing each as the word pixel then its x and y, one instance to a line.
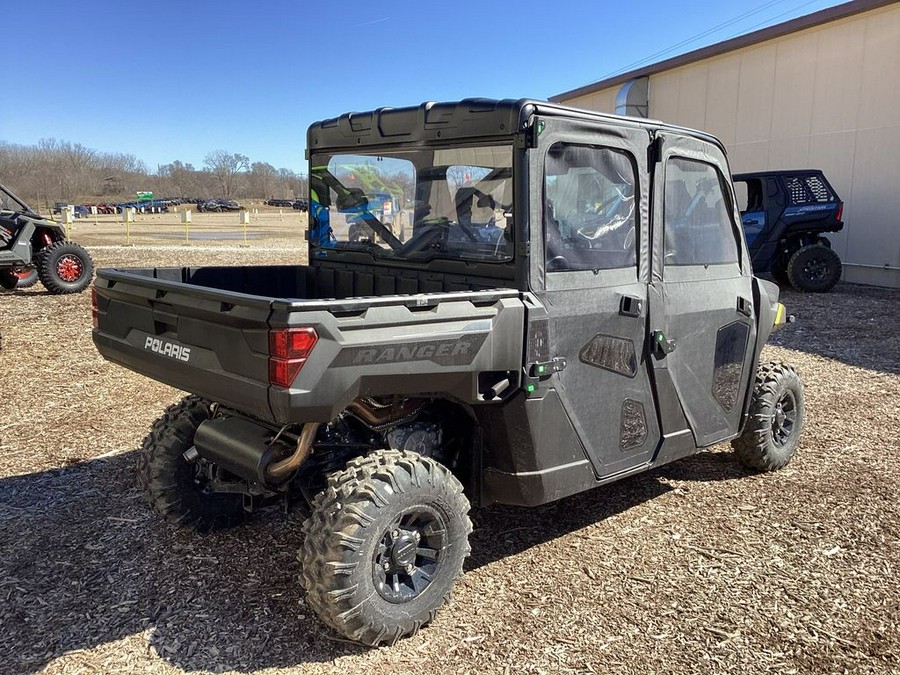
pixel 203 340
pixel 215 343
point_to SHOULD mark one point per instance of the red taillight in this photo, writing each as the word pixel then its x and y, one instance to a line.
pixel 840 211
pixel 288 350
pixel 95 312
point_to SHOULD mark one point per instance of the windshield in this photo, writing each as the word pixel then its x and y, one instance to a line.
pixel 451 203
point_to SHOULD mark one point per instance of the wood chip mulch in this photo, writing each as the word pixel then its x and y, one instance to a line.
pixel 698 566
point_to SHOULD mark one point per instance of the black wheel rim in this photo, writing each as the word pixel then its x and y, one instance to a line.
pixel 784 418
pixel 815 269
pixel 408 557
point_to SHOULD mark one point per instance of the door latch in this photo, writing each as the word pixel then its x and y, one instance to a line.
pixel 547 368
pixel 661 344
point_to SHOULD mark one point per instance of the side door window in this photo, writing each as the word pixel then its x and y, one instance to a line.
pixel 697 220
pixel 589 209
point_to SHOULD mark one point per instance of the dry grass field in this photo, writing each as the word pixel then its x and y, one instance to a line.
pixel 694 567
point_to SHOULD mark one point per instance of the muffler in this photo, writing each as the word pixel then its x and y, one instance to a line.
pixel 251 451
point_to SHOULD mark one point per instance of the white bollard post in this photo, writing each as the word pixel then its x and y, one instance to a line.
pixel 186 219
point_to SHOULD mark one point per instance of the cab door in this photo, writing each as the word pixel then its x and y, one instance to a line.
pixel 701 294
pixel 591 273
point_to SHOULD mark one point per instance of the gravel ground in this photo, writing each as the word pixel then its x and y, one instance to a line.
pixel 694 567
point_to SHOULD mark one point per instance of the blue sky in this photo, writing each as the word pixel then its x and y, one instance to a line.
pixel 170 80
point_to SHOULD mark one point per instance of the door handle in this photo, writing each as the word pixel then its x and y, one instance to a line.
pixel 631 305
pixel 744 306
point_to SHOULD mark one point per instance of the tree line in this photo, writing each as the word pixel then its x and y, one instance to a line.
pixel 59 171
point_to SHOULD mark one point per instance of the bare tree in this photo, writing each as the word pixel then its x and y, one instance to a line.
pixel 182 176
pixel 227 168
pixel 262 180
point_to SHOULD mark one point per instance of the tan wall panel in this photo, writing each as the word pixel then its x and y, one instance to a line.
pixel 789 153
pixel 692 96
pixel 748 156
pixel 835 155
pixel 664 90
pixel 838 77
pixel 722 82
pixel 880 88
pixel 602 101
pixel 606 101
pixel 794 86
pixel 875 234
pixel 754 113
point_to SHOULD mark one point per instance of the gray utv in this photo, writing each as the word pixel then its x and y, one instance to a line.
pixel 565 299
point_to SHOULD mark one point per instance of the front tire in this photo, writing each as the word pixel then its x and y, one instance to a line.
pixel 65 267
pixel 175 487
pixel 815 268
pixel 775 422
pixel 384 545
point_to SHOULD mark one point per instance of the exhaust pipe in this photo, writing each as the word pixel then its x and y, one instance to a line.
pixel 253 452
pixel 280 470
pixel 378 415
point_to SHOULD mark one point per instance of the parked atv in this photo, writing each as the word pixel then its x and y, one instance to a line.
pixel 35 248
pixel 784 214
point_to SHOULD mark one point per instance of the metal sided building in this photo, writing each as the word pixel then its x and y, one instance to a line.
pixel 821 91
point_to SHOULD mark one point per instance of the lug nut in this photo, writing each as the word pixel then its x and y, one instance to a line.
pixel 409 569
pixel 395 534
pixel 386 566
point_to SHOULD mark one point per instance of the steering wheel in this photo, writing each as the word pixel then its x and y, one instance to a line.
pixel 557 264
pixel 431 231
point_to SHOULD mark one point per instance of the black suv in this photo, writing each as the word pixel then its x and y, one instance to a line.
pixel 784 214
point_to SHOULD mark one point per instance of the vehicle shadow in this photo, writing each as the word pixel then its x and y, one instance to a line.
pixel 84 563
pixel 854 324
pixel 501 531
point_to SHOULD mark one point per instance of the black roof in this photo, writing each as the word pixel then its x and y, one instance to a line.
pixel 784 172
pixel 433 123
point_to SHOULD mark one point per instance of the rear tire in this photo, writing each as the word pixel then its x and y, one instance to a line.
pixel 384 545
pixel 171 484
pixel 27 278
pixel 8 279
pixel 815 268
pixel 65 267
pixel 775 422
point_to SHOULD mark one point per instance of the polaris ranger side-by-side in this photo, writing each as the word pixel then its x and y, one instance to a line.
pixel 569 301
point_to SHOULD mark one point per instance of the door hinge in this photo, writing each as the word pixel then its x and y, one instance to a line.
pixel 654 151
